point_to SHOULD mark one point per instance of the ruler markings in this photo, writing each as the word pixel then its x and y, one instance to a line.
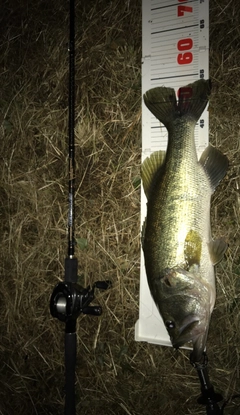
pixel 171 24
pixel 168 18
pixel 173 60
pixel 166 10
pixel 172 5
pixel 193 69
pixel 174 37
pixel 156 76
pixel 157 18
pixel 172 31
pixel 175 28
pixel 172 77
pixel 163 67
pixel 168 47
pixel 178 74
pixel 172 64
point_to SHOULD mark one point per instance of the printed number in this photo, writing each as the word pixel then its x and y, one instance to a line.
pixel 183 9
pixel 185 58
pixel 201 122
pixel 202 24
pixel 185 44
pixel 201 73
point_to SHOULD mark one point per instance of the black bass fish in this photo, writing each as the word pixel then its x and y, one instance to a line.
pixel 179 251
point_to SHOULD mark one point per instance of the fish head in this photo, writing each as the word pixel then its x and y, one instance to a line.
pixel 185 306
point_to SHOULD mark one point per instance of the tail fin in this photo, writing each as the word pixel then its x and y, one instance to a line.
pixel 193 98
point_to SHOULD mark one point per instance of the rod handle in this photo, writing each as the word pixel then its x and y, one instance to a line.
pixel 70 365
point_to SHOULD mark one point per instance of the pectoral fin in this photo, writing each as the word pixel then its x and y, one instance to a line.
pixel 217 250
pixel 215 165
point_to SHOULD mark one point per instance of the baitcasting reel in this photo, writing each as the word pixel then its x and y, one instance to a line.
pixel 69 299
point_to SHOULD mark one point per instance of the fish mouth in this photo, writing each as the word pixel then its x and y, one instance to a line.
pixel 194 332
pixel 187 333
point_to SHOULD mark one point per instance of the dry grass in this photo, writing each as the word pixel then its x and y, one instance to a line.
pixel 115 375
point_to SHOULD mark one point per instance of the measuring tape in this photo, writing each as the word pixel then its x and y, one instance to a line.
pixel 175 44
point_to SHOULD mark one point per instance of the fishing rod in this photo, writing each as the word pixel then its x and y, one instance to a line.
pixel 69 299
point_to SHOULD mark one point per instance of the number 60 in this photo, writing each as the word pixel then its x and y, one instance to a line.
pixel 186 57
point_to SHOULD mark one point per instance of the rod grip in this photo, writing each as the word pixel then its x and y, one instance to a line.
pixel 70 364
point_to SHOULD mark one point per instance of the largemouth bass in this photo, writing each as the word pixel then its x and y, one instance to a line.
pixel 179 251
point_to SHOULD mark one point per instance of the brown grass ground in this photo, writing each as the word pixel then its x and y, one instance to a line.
pixel 115 375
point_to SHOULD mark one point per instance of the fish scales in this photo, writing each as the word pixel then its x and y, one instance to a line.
pixel 183 193
pixel 178 248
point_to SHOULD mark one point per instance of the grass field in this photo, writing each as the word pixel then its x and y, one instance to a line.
pixel 115 374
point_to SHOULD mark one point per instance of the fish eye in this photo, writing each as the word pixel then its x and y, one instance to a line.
pixel 170 324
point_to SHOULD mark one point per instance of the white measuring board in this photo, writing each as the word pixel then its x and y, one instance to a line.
pixel 175 40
